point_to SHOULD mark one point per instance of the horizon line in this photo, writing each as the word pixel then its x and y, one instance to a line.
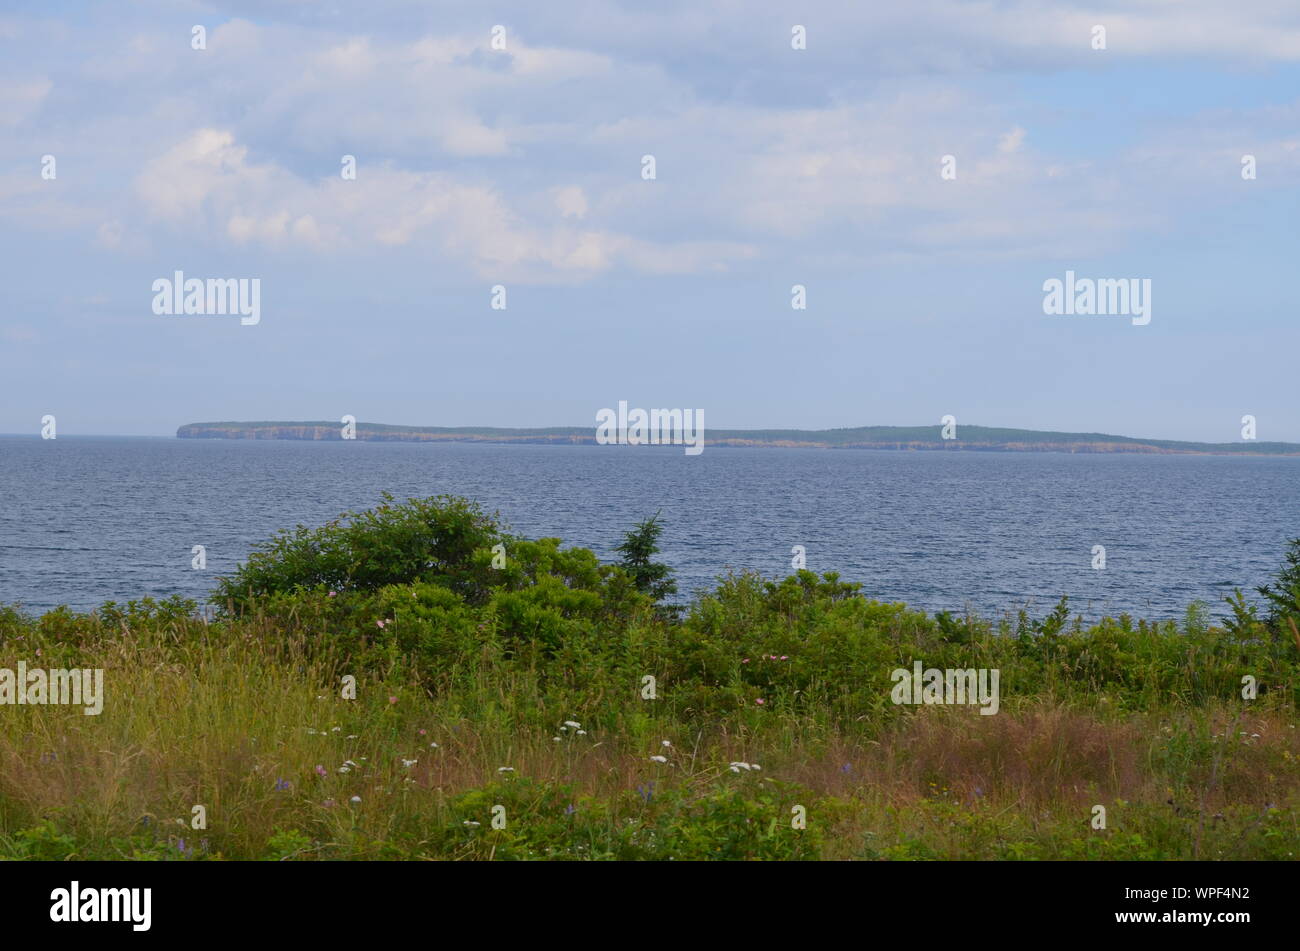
pixel 175 434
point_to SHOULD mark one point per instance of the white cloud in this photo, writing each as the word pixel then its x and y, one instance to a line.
pixel 478 153
pixel 1012 141
pixel 570 201
pixel 20 99
pixel 206 185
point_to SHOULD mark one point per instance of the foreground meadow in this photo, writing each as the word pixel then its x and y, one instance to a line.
pixel 415 683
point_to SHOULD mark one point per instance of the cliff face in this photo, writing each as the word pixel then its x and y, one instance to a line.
pixel 966 445
pixel 334 432
pixel 219 431
pixel 977 439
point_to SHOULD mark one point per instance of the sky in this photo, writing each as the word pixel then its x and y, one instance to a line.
pixel 523 168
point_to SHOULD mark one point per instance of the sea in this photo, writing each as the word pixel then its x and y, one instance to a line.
pixel 85 520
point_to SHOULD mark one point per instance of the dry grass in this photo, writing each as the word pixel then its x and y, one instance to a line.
pixel 245 729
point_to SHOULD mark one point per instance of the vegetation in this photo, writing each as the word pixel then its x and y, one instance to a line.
pixel 639 546
pixel 508 680
pixel 1283 595
pixel 855 437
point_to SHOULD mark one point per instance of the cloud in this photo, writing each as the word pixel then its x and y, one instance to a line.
pixel 1012 141
pixel 525 162
pixel 570 201
pixel 20 99
pixel 206 186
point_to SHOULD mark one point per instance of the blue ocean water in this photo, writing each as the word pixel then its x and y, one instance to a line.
pixel 85 520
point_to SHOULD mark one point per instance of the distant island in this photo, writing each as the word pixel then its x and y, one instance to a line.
pixel 970 438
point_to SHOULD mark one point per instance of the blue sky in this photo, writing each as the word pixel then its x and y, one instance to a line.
pixel 775 167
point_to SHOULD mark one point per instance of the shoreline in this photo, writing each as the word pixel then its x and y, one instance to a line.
pixel 891 438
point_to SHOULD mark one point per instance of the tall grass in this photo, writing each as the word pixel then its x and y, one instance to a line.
pixel 245 717
pixel 549 709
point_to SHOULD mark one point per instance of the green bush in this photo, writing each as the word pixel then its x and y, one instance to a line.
pixel 1283 595
pixel 442 540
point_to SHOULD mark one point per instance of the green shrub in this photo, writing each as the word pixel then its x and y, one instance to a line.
pixel 638 547
pixel 1283 595
pixel 442 540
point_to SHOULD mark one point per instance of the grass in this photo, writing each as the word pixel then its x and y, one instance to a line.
pixel 460 742
pixel 252 726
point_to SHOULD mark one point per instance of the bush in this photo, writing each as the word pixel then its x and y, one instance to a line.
pixel 1283 595
pixel 442 540
pixel 638 547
